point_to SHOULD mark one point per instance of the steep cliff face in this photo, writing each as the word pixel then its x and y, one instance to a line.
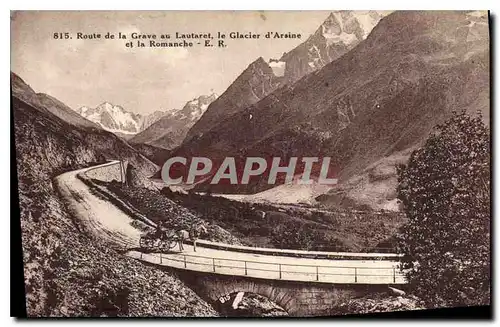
pixel 338 34
pixel 47 104
pixel 113 118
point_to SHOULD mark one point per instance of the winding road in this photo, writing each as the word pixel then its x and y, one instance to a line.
pixel 100 217
pixel 105 220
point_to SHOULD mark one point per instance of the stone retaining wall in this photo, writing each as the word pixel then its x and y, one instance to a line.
pixel 108 173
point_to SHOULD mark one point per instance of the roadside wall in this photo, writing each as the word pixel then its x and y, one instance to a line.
pixel 108 173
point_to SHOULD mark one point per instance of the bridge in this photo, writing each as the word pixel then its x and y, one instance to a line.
pixel 301 282
pixel 277 266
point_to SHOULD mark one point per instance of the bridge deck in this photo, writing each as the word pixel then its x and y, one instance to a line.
pixel 277 267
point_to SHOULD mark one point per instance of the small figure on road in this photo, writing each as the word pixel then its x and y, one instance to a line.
pixel 182 235
pixel 161 229
pixel 196 231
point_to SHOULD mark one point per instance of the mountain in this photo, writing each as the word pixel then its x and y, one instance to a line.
pixel 339 33
pixel 112 118
pixel 169 130
pixel 380 99
pixel 48 104
pixel 254 83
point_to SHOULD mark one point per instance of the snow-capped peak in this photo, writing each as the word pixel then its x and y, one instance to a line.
pixel 83 110
pixel 196 107
pixel 116 119
pixel 112 118
pixel 340 32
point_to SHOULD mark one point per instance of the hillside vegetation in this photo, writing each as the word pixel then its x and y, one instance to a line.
pixel 66 272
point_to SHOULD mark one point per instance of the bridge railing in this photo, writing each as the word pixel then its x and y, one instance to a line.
pixel 282 271
pixel 299 253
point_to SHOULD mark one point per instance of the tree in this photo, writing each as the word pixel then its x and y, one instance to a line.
pixel 445 191
pixel 294 236
pixel 304 236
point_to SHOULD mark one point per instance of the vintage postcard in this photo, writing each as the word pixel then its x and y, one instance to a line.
pixel 251 163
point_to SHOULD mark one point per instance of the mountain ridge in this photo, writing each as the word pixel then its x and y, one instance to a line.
pixel 383 96
pixel 261 78
pixel 89 140
pixel 114 118
pixel 169 130
pixel 128 125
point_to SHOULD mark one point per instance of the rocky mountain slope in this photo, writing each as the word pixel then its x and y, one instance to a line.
pixel 86 141
pixel 155 154
pixel 169 131
pixel 67 272
pixel 339 33
pixel 382 97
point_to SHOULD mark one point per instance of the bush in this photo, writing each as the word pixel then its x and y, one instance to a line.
pixel 112 302
pixel 445 190
pixel 294 236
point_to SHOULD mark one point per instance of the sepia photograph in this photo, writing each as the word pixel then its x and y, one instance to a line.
pixel 179 164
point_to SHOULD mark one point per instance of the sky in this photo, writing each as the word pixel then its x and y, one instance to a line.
pixel 142 80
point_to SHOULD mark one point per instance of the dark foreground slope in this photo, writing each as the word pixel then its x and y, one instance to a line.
pixel 381 98
pixel 68 273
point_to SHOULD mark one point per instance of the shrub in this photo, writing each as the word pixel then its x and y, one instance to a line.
pixel 294 236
